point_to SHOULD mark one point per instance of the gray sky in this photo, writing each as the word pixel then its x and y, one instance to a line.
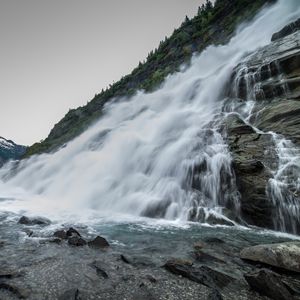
pixel 58 54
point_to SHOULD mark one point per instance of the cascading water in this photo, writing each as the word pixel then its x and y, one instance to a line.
pixel 157 155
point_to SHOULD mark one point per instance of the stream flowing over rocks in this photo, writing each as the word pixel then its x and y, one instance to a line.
pixel 189 192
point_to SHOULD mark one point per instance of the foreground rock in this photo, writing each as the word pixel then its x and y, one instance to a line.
pixel 203 274
pixel 269 284
pixel 76 241
pixel 282 255
pixel 34 221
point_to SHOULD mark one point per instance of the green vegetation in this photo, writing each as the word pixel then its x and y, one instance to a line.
pixel 214 24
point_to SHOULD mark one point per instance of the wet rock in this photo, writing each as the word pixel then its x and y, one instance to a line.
pixel 9 274
pixel 34 221
pixel 72 232
pixel 268 283
pixel 205 256
pixel 214 295
pixel 281 255
pixel 73 294
pixel 151 278
pixel 61 234
pixel 213 240
pixel 250 163
pixel 55 240
pixel 138 260
pixel 203 275
pixel 76 241
pixel 287 30
pixel 99 242
pixel 18 292
pixel 28 232
pixel 100 269
pixel 216 220
pixel 125 259
pixel 281 117
pixel 142 294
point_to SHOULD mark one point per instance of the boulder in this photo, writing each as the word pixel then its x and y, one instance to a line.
pixel 76 241
pixel 34 221
pixel 203 274
pixel 72 232
pixel 281 255
pixel 269 284
pixel 61 234
pixel 99 242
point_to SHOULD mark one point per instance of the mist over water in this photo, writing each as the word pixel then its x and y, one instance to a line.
pixel 139 159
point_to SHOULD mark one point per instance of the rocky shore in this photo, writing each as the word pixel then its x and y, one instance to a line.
pixel 42 261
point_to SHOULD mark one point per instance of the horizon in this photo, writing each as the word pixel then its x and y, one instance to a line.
pixel 52 66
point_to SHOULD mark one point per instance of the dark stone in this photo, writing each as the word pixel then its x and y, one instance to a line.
pixel 9 274
pixel 268 283
pixel 100 268
pixel 287 30
pixel 125 259
pixel 99 242
pixel 215 220
pixel 252 175
pixel 72 232
pixel 213 240
pixel 205 256
pixel 34 221
pixel 29 232
pixel 19 293
pixel 76 241
pixel 73 294
pixel 142 294
pixel 203 275
pixel 55 240
pixel 61 234
pixel 151 278
pixel 214 295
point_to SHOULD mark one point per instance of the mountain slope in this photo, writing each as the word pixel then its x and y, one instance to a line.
pixel 10 150
pixel 212 25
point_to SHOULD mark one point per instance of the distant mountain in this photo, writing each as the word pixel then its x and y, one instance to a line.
pixel 10 150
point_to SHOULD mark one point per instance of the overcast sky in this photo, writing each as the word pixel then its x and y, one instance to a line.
pixel 58 54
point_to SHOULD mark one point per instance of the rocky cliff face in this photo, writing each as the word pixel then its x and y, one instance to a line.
pixel 262 129
pixel 10 150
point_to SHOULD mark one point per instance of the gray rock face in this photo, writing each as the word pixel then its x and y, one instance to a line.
pixel 271 78
pixel 248 150
pixel 283 255
pixel 288 29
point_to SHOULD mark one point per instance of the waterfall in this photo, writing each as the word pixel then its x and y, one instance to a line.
pixel 156 154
